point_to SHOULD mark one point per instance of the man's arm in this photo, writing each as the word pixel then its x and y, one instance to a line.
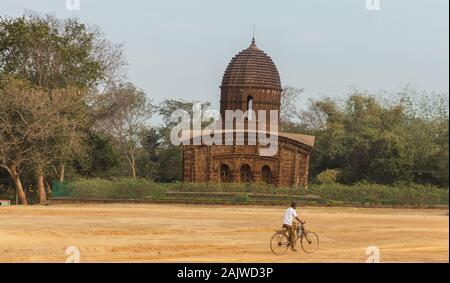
pixel 298 219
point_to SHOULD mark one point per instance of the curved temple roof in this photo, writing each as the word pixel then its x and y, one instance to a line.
pixel 300 138
pixel 252 68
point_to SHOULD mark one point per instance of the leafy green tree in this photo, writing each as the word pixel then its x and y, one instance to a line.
pixel 403 138
pixel 148 159
pixel 52 53
pixel 170 165
pixel 98 157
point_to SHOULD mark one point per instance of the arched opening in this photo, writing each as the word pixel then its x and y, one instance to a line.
pixel 266 174
pixel 246 174
pixel 225 173
pixel 250 107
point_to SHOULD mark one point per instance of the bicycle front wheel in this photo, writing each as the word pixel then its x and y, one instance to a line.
pixel 310 242
pixel 279 243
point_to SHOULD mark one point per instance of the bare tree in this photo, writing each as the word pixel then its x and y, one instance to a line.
pixel 68 114
pixel 126 114
pixel 23 121
pixel 314 119
pixel 35 128
pixel 289 98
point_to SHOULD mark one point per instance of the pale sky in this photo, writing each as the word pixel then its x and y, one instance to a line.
pixel 180 49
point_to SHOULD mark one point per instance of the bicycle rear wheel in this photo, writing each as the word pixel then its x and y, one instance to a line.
pixel 310 242
pixel 279 243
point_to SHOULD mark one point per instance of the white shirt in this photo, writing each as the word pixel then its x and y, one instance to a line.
pixel 289 216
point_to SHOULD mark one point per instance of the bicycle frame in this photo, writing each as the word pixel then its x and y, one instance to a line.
pixel 301 235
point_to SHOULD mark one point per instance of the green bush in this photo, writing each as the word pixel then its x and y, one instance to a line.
pixel 329 176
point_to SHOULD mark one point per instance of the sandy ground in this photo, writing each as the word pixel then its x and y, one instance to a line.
pixel 182 233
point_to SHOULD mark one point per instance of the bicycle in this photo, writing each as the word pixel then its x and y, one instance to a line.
pixel 280 243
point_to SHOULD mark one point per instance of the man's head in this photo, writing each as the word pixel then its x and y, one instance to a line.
pixel 294 205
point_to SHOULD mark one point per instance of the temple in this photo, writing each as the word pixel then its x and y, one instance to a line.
pixel 251 82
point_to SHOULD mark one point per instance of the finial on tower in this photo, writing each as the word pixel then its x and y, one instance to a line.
pixel 253 39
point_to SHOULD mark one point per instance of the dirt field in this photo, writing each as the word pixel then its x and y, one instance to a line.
pixel 181 233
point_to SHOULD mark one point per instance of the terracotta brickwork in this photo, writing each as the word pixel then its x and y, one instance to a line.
pixel 250 80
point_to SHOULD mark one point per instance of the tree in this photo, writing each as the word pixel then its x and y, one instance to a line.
pixel 54 54
pixel 66 113
pixel 23 122
pixel 288 108
pixel 382 140
pixel 128 112
pixel 426 129
pixel 97 157
pixel 36 127
pixel 148 159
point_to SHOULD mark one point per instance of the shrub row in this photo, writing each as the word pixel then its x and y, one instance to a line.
pixel 326 194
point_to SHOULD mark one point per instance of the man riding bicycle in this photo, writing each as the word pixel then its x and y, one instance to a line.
pixel 289 216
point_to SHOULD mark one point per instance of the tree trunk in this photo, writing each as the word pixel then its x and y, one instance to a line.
pixel 16 179
pixel 129 154
pixel 47 185
pixel 41 186
pixel 133 166
pixel 62 170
